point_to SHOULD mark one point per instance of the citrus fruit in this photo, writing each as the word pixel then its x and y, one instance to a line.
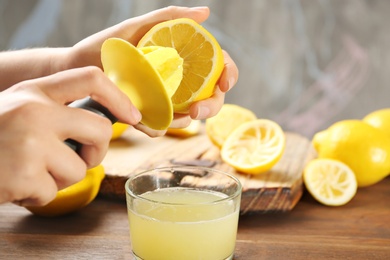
pixel 168 64
pixel 118 129
pixel 379 119
pixel 364 148
pixel 330 182
pixel 254 147
pixel 192 129
pixel 73 197
pixel 202 55
pixel 219 127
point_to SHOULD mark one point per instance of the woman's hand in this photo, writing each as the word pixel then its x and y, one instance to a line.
pixel 87 52
pixel 35 121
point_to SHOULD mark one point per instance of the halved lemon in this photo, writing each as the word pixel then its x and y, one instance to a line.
pixel 168 63
pixel 219 127
pixel 192 129
pixel 202 54
pixel 254 147
pixel 330 182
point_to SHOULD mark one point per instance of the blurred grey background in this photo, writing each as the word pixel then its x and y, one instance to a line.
pixel 303 63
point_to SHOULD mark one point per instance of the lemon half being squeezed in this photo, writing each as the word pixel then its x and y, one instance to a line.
pixel 202 55
pixel 175 64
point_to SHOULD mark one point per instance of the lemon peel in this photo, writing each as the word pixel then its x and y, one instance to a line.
pixel 74 197
pixel 219 127
pixel 254 147
pixel 379 119
pixel 192 129
pixel 202 55
pixel 330 182
pixel 364 148
pixel 118 129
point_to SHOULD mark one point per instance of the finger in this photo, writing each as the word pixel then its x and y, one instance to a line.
pixel 229 75
pixel 94 154
pixel 66 169
pixel 198 14
pixel 209 107
pixel 150 132
pixel 89 129
pixel 70 85
pixel 134 29
pixel 180 121
pixel 142 24
pixel 31 193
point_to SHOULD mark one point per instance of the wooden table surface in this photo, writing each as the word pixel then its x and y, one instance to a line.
pixel 358 230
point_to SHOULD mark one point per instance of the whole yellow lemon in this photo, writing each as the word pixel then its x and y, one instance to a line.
pixel 73 197
pixel 118 129
pixel 379 119
pixel 364 148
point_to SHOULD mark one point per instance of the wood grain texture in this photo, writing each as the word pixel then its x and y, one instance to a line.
pixel 276 190
pixel 358 230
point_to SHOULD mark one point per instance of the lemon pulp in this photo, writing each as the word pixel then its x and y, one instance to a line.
pixel 219 127
pixel 254 147
pixel 330 182
pixel 202 55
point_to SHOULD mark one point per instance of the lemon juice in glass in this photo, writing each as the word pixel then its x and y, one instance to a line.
pixel 183 212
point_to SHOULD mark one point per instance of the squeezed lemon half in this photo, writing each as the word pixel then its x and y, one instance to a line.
pixel 330 182
pixel 254 147
pixel 219 127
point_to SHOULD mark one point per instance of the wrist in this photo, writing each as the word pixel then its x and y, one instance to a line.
pixel 81 56
pixel 60 60
pixel 17 66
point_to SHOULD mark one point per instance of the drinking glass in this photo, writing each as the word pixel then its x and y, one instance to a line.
pixel 183 212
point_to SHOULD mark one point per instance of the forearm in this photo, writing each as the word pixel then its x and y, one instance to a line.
pixel 20 65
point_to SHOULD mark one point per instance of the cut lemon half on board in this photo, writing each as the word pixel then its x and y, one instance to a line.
pixel 330 182
pixel 254 147
pixel 202 54
pixel 219 127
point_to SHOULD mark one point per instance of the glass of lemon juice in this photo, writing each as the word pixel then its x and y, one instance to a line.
pixel 183 212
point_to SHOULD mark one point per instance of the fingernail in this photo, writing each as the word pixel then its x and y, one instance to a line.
pixel 232 81
pixel 203 113
pixel 199 7
pixel 136 115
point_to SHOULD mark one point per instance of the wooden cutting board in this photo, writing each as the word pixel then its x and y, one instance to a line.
pixel 276 190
